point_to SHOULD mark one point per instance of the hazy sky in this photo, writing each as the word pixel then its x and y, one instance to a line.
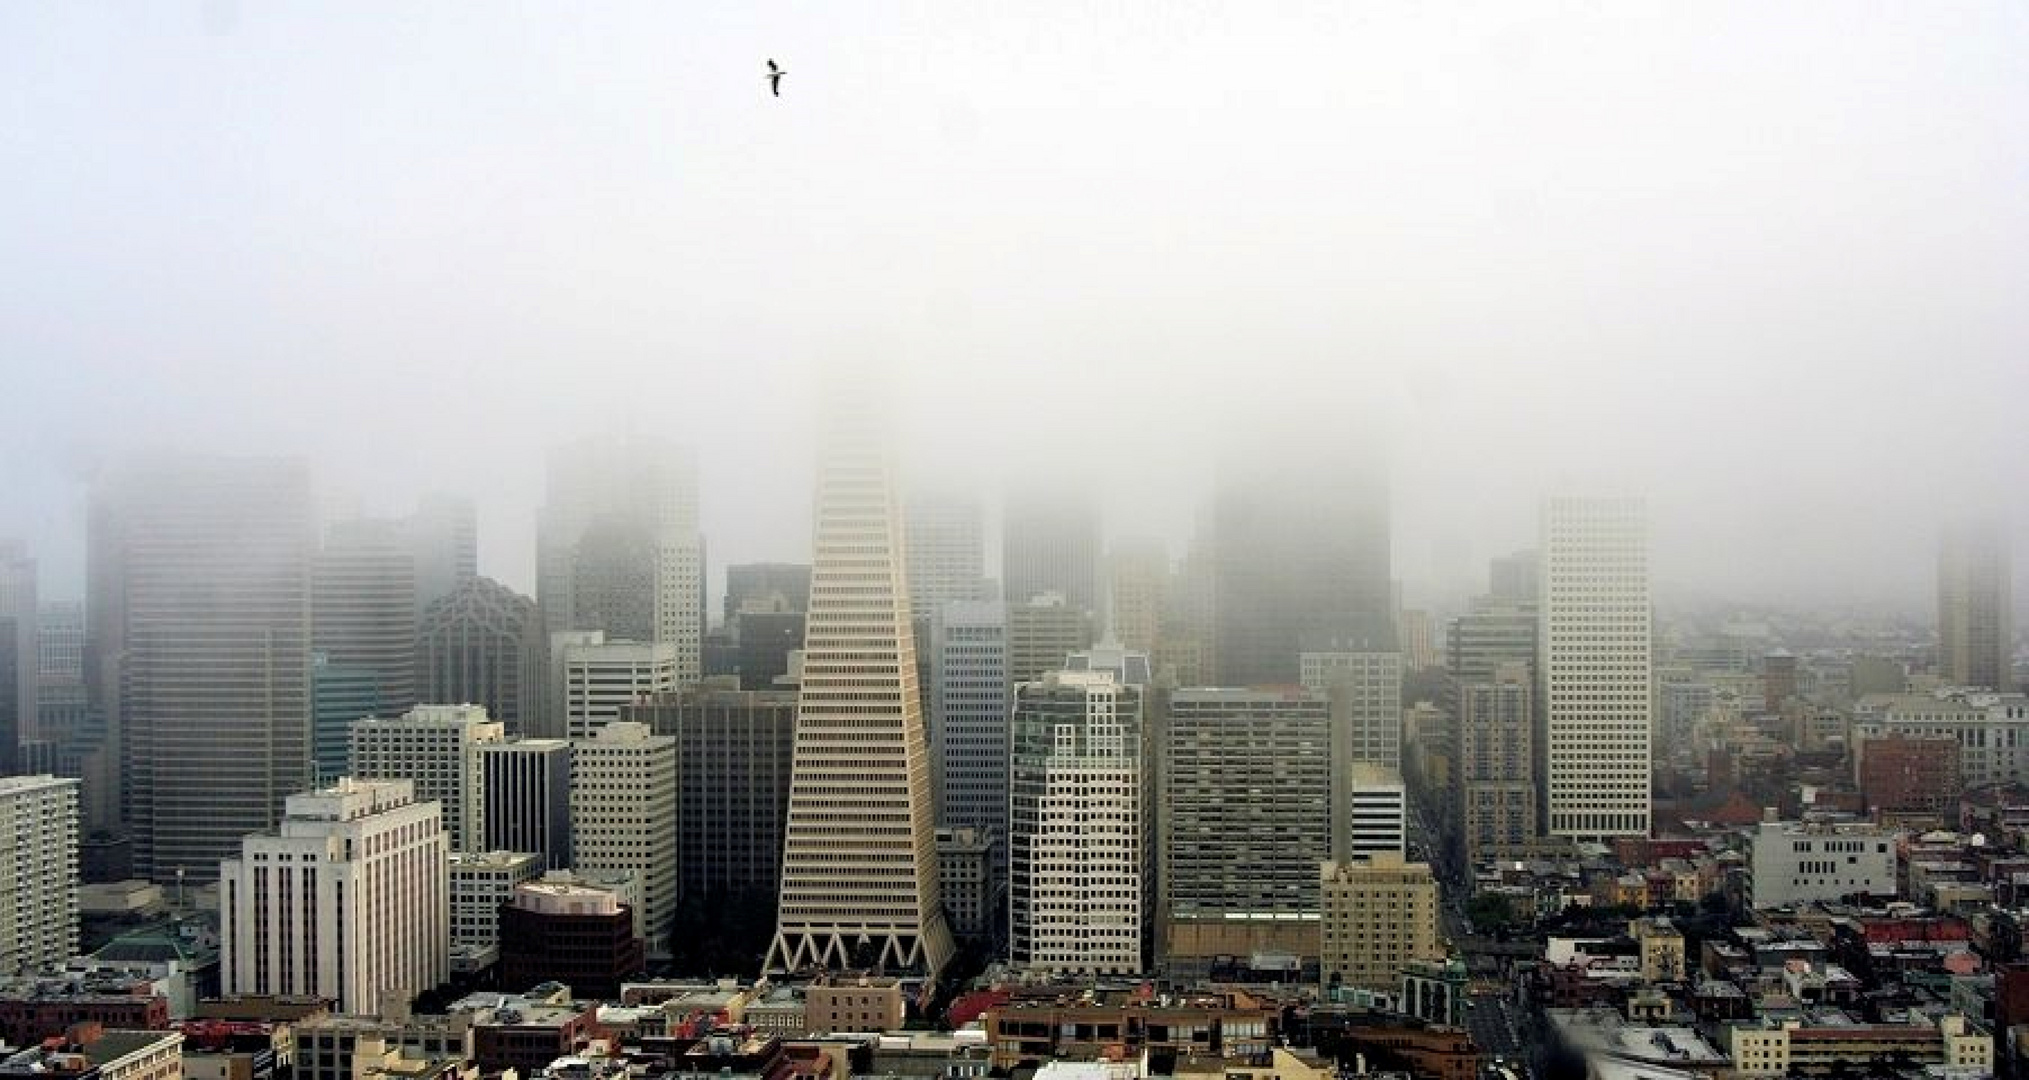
pixel 1768 264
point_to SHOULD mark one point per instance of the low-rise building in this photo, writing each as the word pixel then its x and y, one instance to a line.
pixel 1804 863
pixel 848 1003
pixel 92 1052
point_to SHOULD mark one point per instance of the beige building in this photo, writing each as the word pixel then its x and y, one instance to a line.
pixel 864 1003
pixel 1496 763
pixel 1041 631
pixel 1975 632
pixel 1662 949
pixel 623 817
pixel 1377 917
pixel 437 747
pixel 859 864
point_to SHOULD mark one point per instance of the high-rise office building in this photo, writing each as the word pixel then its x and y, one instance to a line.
pixel 1248 780
pixel 1041 631
pixel 946 534
pixel 618 547
pixel 1595 668
pixel 363 606
pixel 1489 635
pixel 436 747
pixel 484 645
pixel 1300 556
pixel 1975 608
pixel 38 872
pixel 525 799
pixel 443 536
pixel 734 749
pixel 968 733
pixel 1516 578
pixel 1077 880
pixel 859 867
pixel 1496 762
pixel 480 883
pixel 20 623
pixel 624 817
pixel 62 713
pixel 1366 693
pixel 348 900
pixel 595 677
pixel 1137 592
pixel 767 587
pixel 200 609
pixel 341 695
pixel 1050 544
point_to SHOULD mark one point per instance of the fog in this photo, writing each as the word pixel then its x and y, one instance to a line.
pixel 1763 264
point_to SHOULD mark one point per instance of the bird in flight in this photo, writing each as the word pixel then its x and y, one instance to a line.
pixel 774 78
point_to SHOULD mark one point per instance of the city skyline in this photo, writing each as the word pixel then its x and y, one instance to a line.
pixel 1718 257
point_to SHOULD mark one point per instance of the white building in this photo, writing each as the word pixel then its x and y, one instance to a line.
pixel 946 541
pixel 349 900
pixel 1376 813
pixel 1595 668
pixel 526 786
pixel 1076 889
pixel 1366 693
pixel 437 747
pixel 480 883
pixel 1992 729
pixel 38 871
pixel 595 676
pixel 1800 864
pixel 623 817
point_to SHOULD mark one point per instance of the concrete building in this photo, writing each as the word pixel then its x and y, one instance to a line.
pixel 618 547
pixel 363 606
pixel 1683 701
pixel 1366 694
pixel 1300 555
pixel 968 733
pixel 1239 766
pixel 94 1052
pixel 595 677
pixel 854 1003
pixel 1992 729
pixel 578 935
pixel 20 653
pixel 483 643
pixel 1975 608
pixel 443 536
pixel 62 702
pixel 767 587
pixel 199 581
pixel 1516 578
pixel 969 875
pixel 1377 810
pixel 946 532
pixel 1050 544
pixel 525 790
pixel 1595 668
pixel 38 872
pixel 481 882
pixel 1800 864
pixel 436 747
pixel 1077 881
pixel 1496 763
pixel 1378 917
pixel 348 900
pixel 734 751
pixel 862 771
pixel 1041 631
pixel 624 817
pixel 1137 593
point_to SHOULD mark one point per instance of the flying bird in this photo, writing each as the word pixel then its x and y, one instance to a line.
pixel 774 78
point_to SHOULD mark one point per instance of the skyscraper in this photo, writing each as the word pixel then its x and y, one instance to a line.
pixel 1975 608
pixel 1496 762
pixel 968 733
pixel 1300 551
pixel 348 900
pixel 1076 853
pixel 859 865
pixel 595 677
pixel 38 872
pixel 1595 662
pixel 618 547
pixel 1041 632
pixel 1050 544
pixel 443 537
pixel 1137 591
pixel 20 616
pixel 947 551
pixel 525 799
pixel 624 816
pixel 484 645
pixel 200 604
pixel 437 748
pixel 1366 695
pixel 363 605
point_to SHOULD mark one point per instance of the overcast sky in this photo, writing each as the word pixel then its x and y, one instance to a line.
pixel 1766 263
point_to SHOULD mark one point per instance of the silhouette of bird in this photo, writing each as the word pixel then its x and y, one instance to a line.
pixel 774 78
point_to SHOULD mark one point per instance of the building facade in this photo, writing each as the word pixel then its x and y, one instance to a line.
pixel 969 716
pixel 1378 917
pixel 1799 864
pixel 596 677
pixel 348 900
pixel 1975 608
pixel 735 749
pixel 436 747
pixel 38 872
pixel 1366 693
pixel 525 795
pixel 483 644
pixel 624 817
pixel 1077 880
pixel 1496 762
pixel 1595 665
pixel 1050 544
pixel 946 534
